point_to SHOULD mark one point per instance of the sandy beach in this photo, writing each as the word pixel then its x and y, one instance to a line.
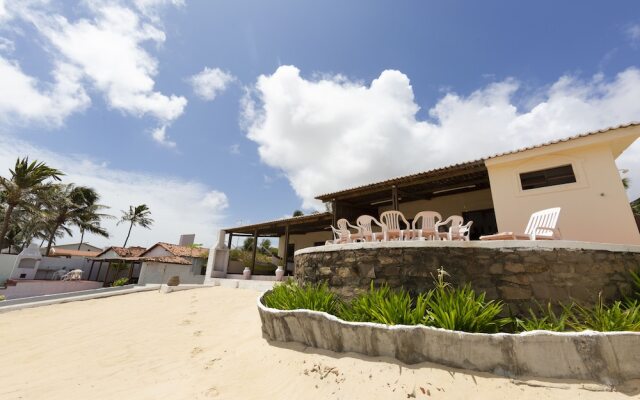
pixel 206 343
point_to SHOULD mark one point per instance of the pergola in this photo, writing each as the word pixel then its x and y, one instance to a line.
pixel 282 227
pixel 131 261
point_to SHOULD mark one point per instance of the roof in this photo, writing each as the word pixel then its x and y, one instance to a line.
pixel 460 168
pixel 168 260
pixel 180 251
pixel 277 226
pixel 124 252
pixel 57 252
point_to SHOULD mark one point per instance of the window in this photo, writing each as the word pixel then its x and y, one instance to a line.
pixel 547 177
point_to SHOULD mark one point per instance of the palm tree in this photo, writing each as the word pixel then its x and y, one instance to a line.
pixel 138 215
pixel 68 205
pixel 27 179
pixel 88 218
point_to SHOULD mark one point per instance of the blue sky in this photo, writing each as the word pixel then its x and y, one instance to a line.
pixel 300 87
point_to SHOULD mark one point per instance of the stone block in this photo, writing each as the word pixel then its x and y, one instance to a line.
pixel 514 292
pixel 514 267
pixel 496 269
pixel 324 271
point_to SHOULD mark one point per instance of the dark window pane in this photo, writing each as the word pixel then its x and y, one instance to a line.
pixel 547 177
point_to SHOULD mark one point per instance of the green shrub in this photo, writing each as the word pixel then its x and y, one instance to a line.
pixel 2 297
pixel 385 306
pixel 120 282
pixel 291 296
pixel 616 317
pixel 544 319
pixel 635 280
pixel 461 309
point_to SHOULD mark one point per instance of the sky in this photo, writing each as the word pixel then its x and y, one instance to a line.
pixel 220 113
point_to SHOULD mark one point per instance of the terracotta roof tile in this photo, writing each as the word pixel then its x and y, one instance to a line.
pixel 133 251
pixel 55 252
pixel 168 260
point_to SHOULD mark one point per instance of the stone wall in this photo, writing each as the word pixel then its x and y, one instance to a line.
pixel 517 272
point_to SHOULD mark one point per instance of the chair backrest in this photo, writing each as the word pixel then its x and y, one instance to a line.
pixel 391 220
pixel 427 220
pixel 544 218
pixel 339 233
pixel 364 223
pixel 343 224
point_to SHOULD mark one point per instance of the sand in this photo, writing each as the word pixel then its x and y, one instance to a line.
pixel 206 343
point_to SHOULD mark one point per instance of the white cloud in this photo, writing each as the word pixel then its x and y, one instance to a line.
pixel 23 98
pixel 108 54
pixel 210 82
pixel 159 134
pixel 177 206
pixel 6 45
pixel 330 133
pixel 633 32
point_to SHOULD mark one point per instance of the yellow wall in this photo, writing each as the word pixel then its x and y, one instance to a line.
pixel 446 205
pixel 595 208
pixel 303 241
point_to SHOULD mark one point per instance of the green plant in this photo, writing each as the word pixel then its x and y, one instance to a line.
pixel 385 306
pixel 461 309
pixel 544 319
pixel 120 282
pixel 291 296
pixel 616 317
pixel 2 297
pixel 635 280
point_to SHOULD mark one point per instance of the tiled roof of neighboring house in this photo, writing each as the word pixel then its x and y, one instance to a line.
pixel 468 164
pixel 55 252
pixel 168 260
pixel 133 251
pixel 180 251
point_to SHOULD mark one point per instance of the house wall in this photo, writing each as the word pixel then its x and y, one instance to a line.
pixel 74 246
pixel 158 251
pixel 454 204
pixel 30 288
pixel 7 261
pixel 595 208
pixel 303 241
pixel 153 272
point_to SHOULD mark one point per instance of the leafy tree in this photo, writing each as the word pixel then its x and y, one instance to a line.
pixel 298 213
pixel 247 244
pixel 28 179
pixel 138 215
pixel 266 244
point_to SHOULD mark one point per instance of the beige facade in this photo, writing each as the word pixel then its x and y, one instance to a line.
pixel 447 205
pixel 595 208
pixel 304 241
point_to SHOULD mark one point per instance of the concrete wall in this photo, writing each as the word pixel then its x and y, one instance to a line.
pixel 609 358
pixel 595 208
pixel 520 273
pixel 30 288
pixel 446 205
pixel 153 272
pixel 158 251
pixel 7 261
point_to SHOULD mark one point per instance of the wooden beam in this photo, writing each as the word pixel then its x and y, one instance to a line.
pixel 229 242
pixel 91 270
pixel 334 210
pixel 255 250
pixel 394 198
pixel 286 248
pixel 104 284
pixel 130 272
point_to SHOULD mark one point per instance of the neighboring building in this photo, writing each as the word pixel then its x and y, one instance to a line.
pixel 116 259
pixel 164 260
pixel 74 246
pixel 499 193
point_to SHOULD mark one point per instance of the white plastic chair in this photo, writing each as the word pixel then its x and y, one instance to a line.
pixel 458 230
pixel 428 220
pixel 341 234
pixel 391 228
pixel 365 228
pixel 74 275
pixel 543 225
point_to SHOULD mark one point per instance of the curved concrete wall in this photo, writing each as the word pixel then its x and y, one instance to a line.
pixel 609 358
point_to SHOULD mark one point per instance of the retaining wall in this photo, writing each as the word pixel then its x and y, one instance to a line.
pixel 520 273
pixel 609 358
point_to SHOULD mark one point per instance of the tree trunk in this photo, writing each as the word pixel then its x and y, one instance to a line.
pixel 127 239
pixel 52 236
pixel 5 225
pixel 81 238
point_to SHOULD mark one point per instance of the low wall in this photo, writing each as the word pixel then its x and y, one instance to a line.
pixel 609 358
pixel 518 272
pixel 30 288
pixel 154 272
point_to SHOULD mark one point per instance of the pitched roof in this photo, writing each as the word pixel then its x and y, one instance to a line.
pixel 180 251
pixel 278 225
pixel 168 260
pixel 468 165
pixel 133 251
pixel 57 252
